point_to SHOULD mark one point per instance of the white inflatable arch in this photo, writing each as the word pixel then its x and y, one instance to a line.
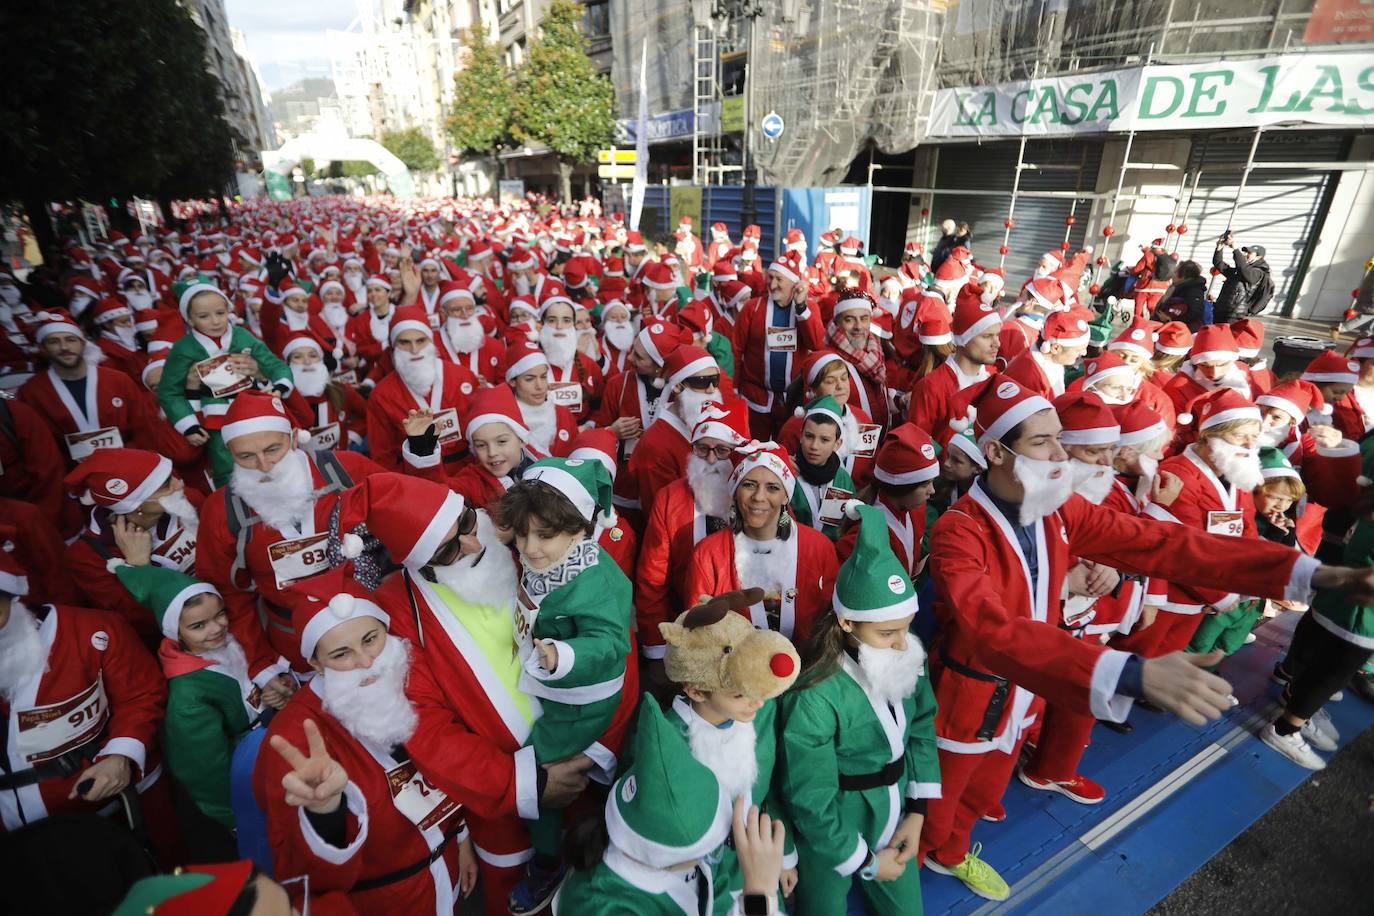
pixel 277 164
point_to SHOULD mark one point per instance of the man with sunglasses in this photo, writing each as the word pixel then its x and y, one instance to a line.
pixel 691 384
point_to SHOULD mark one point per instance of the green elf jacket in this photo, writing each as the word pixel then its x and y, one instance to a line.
pixel 620 886
pixel 1334 611
pixel 803 495
pixel 194 347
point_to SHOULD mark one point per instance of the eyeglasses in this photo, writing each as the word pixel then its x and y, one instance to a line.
pixel 702 382
pixel 722 452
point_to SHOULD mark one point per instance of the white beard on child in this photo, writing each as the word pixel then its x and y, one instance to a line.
pixel 310 379
pixel 892 673
pixel 728 752
pixel 619 334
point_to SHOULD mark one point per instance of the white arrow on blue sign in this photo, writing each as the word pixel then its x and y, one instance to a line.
pixel 772 125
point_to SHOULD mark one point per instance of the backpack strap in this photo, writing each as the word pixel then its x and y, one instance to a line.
pixel 241 521
pixel 333 471
pixel 7 426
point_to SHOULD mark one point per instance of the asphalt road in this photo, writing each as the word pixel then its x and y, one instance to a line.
pixel 1312 853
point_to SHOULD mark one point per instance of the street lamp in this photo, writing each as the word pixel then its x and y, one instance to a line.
pixel 749 10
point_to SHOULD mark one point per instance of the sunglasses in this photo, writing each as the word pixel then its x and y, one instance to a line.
pixel 702 382
pixel 452 549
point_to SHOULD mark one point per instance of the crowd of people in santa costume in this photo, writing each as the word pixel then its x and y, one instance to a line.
pixel 396 551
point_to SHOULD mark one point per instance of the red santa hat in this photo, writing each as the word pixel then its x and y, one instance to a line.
pixel 409 515
pixel 854 300
pixel 795 241
pixel 556 300
pixel 1046 292
pixel 1135 339
pixel 1296 398
pixel 720 228
pixel 1174 338
pixel 1362 348
pixel 767 455
pixel 520 357
pixel 1222 405
pixel 695 316
pixel 952 270
pixel 661 338
pixel 972 319
pixel 727 422
pixel 615 267
pixel 788 265
pixel 409 318
pixel 880 323
pixel 597 445
pixel 255 412
pixel 1331 367
pixel 303 342
pixel 1000 407
pixel 450 290
pixel 323 602
pixel 658 275
pixel 913 248
pixel 1249 335
pixel 56 322
pixel 380 280
pixel 1139 424
pixel 1087 420
pixel 634 242
pixel 1068 329
pixel 814 364
pixel 12 578
pixel 1055 257
pixel 723 271
pixel 1103 367
pixel 120 479
pixel 685 362
pixel 907 456
pixel 495 404
pixel 850 246
pixel 522 259
pixel 110 309
pixel 1214 343
pixel 331 284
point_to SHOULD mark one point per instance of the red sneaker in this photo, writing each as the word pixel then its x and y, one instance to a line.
pixel 996 815
pixel 1079 788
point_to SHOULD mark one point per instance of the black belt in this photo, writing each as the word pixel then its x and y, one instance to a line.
pixel 887 776
pixel 400 874
pixel 69 764
pixel 993 714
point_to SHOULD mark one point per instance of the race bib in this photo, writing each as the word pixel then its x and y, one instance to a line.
pixel 47 732
pixel 1229 523
pixel 446 425
pixel 434 320
pixel 525 614
pixel 83 445
pixel 832 505
pixel 324 438
pixel 220 377
pixel 868 440
pixel 347 377
pixel 298 558
pixel 566 394
pixel 178 551
pixel 782 340
pixel 423 804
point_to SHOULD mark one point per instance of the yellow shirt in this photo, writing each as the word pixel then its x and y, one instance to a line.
pixel 493 629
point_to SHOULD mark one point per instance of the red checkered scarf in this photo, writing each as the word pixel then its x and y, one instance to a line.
pixel 867 359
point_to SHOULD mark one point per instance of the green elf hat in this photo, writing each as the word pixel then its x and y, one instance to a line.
pixel 199 890
pixel 584 481
pixel 965 442
pixel 660 812
pixel 162 591
pixel 1273 463
pixel 1100 330
pixel 827 407
pixel 872 585
pixel 1366 476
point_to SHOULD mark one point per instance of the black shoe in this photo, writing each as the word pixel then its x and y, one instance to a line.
pixel 1121 728
pixel 1363 685
pixel 1278 675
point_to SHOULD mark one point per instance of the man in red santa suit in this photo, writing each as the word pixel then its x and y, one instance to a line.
pixel 769 334
pixel 118 338
pixel 454 599
pixel 1214 362
pixel 420 381
pixel 851 336
pixel 720 243
pixel 726 300
pixel 683 513
pixel 688 247
pixel 269 525
pixel 89 407
pixel 431 272
pixel 1063 342
pixel 346 804
pixel 691 383
pixel 617 336
pixel 999 564
pixel 83 702
pixel 296 312
pixel 935 397
pixel 575 380
pixel 905 475
pixel 464 335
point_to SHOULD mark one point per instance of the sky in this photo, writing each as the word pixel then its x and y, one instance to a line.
pixel 286 37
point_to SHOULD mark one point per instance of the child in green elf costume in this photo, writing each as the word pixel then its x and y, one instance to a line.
pixel 823 485
pixel 572 627
pixel 859 758
pixel 211 701
pixel 730 672
pixel 187 389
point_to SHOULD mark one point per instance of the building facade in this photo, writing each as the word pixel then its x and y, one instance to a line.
pixel 248 118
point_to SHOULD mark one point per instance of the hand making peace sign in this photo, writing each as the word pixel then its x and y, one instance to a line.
pixel 316 782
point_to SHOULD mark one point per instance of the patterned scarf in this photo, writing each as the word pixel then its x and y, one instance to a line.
pixel 539 584
pixel 867 359
pixel 369 567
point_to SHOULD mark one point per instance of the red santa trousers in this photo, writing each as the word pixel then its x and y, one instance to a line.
pixel 1064 736
pixel 970 786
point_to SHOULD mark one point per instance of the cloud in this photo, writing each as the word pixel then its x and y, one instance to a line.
pixel 286 38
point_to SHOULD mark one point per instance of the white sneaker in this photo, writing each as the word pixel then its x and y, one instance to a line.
pixel 1250 637
pixel 1323 729
pixel 1232 701
pixel 1337 696
pixel 1293 747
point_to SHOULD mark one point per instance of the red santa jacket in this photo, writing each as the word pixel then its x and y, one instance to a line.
pixel 31 465
pixel 1015 338
pixel 392 400
pixel 905 529
pixel 753 350
pixel 620 541
pixel 243 585
pixel 934 398
pixel 100 693
pixel 1349 417
pixel 661 455
pixel 379 837
pixel 674 527
pixel 809 567
pixel 370 337
pixel 992 622
pixel 40 552
pixel 484 362
pixel 276 333
pixel 1026 369
pixel 581 374
pixel 1183 389
pixel 329 426
pixel 118 356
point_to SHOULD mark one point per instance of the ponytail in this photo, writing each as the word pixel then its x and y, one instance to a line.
pixel 821 652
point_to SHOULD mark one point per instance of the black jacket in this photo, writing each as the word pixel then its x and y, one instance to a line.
pixel 1233 302
pixel 946 245
pixel 1193 293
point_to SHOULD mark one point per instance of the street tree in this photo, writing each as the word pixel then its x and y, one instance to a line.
pixel 413 147
pixel 484 94
pixel 561 100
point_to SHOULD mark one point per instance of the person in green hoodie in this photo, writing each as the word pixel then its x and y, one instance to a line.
pixel 195 394
pixel 823 485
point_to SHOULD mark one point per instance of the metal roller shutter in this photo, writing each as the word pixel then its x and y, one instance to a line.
pixel 1278 208
pixel 1064 166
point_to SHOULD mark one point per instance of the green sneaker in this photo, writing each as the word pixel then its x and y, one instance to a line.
pixel 979 876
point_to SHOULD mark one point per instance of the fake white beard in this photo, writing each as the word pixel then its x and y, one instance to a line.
pixel 1091 481
pixel 335 315
pixel 588 344
pixel 710 485
pixel 1044 493
pixel 1145 482
pixel 690 404
pixel 179 506
pixel 465 334
pixel 1234 378
pixel 1042 272
pixel 21 650
pixel 1274 436
pixel 619 334
pixel 93 355
pixel 763 564
pixel 231 658
pixel 378 711
pixel 541 421
pixel 989 296
pixel 354 281
pixel 892 673
pixel 1240 466
pixel 283 495
pixel 559 346
pixel 296 321
pixel 728 752
pixel 139 299
pixel 487 578
pixel 123 335
pixel 522 285
pixel 310 379
pixel 417 370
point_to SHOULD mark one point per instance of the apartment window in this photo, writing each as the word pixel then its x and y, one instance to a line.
pixel 596 21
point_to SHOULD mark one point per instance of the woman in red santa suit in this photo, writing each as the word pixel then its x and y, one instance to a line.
pixel 575 380
pixel 1116 382
pixel 346 805
pixel 334 413
pixel 370 330
pixel 552 426
pixel 1213 362
pixel 464 336
pixel 1336 377
pixel 764 547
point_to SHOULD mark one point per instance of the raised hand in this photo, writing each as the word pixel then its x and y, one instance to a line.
pixel 316 781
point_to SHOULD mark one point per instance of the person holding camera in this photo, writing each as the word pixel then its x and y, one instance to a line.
pixel 1248 287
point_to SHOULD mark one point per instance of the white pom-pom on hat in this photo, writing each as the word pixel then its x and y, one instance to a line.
pixel 851 508
pixel 352 546
pixel 959 424
pixel 1111 300
pixel 659 383
pixel 1327 410
pixel 1185 419
pixel 1363 481
pixel 342 605
pixel 1089 248
pixel 303 437
pixel 799 412
pixel 86 499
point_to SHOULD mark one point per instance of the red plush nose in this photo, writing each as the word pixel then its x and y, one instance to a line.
pixel 781 664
